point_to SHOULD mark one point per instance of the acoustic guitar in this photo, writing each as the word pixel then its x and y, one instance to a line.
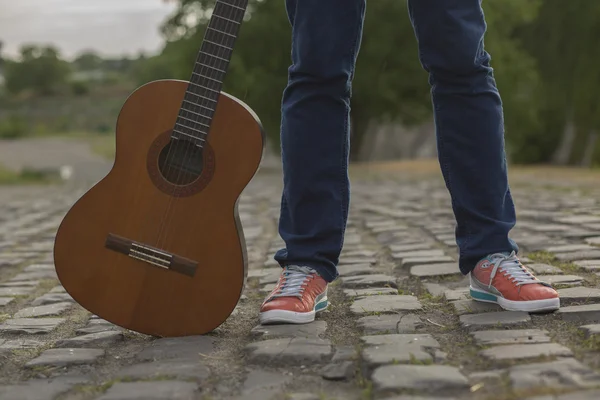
pixel 157 246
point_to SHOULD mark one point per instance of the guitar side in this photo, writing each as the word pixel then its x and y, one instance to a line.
pixel 134 206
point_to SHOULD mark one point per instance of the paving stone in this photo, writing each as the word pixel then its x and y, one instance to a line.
pixel 58 289
pixel 579 219
pixel 390 323
pixel 462 307
pixel 457 294
pixel 16 291
pixel 411 262
pixel 432 270
pixel 585 395
pixel 566 373
pixel 20 284
pixel 513 336
pixel 590 330
pixel 30 276
pixel 313 329
pixel 524 351
pixel 426 378
pixel 289 351
pixel 579 255
pixel 175 368
pixel 355 269
pixel 418 253
pixel 358 253
pixel 4 301
pixel 344 262
pixel 7 346
pixel 435 289
pixel 344 353
pixel 501 318
pixel 569 248
pixel 303 396
pixel 402 248
pixel 95 340
pixel 63 357
pixel 561 279
pixel 408 397
pixel 362 281
pixel 32 326
pixel 422 340
pixel 587 312
pixel 578 294
pixel 49 310
pixel 40 389
pixel 51 298
pixel 544 269
pixel 179 347
pixel 391 349
pixel 384 304
pixel 262 385
pixel 370 292
pixel 159 390
pixel 588 265
pixel 339 371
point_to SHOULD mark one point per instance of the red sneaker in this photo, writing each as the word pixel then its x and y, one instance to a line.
pixel 298 296
pixel 502 279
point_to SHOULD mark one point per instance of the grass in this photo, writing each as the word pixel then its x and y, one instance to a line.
pixel 26 176
pixel 104 146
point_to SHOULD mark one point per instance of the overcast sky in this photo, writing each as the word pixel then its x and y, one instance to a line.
pixel 111 27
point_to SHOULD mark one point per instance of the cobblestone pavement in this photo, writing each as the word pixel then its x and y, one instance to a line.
pixel 400 325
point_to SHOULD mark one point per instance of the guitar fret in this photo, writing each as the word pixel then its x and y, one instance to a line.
pixel 203 87
pixel 197 105
pixel 224 33
pixel 198 114
pixel 231 5
pixel 207 77
pixel 199 95
pixel 190 136
pixel 226 19
pixel 189 130
pixel 217 57
pixel 196 122
pixel 215 68
pixel 217 44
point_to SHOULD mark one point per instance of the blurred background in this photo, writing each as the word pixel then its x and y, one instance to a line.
pixel 67 66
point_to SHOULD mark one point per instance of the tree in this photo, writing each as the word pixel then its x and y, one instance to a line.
pixel 40 69
pixel 88 61
pixel 389 84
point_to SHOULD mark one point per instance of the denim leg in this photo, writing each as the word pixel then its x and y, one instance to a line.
pixel 469 124
pixel 326 38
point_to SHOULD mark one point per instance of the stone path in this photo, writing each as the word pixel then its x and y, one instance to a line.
pixel 401 324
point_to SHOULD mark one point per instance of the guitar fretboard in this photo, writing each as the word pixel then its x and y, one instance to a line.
pixel 202 95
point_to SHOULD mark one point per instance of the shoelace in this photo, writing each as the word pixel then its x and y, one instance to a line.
pixel 512 268
pixel 295 277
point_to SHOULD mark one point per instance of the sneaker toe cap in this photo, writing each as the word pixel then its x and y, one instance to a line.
pixel 537 292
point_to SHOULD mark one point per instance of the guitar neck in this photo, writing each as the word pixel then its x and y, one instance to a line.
pixel 202 94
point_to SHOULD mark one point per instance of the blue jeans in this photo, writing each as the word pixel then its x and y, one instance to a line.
pixel 326 36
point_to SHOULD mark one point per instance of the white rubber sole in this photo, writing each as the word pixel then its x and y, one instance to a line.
pixel 510 305
pixel 292 317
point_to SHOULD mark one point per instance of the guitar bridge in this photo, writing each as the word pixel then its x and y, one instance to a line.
pixel 151 255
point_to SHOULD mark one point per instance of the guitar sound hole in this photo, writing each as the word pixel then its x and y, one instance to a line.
pixel 180 162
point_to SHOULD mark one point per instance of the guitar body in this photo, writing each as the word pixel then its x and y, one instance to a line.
pixel 149 250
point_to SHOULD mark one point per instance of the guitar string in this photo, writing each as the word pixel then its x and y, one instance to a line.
pixel 220 51
pixel 180 124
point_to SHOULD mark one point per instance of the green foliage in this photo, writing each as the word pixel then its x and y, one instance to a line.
pixel 13 126
pixel 40 70
pixel 389 85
